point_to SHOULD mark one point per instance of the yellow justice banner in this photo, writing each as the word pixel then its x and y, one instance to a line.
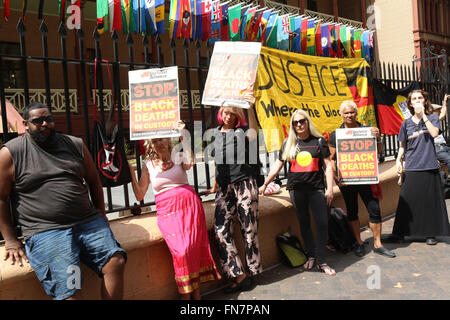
pixel 288 81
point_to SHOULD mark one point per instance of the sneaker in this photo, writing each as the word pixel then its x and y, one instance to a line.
pixel 431 241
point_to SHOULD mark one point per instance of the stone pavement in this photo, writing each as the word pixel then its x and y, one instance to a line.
pixel 419 272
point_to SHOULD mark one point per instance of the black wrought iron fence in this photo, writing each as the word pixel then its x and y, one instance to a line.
pixel 192 59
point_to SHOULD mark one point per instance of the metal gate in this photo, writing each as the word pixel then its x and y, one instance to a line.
pixel 434 76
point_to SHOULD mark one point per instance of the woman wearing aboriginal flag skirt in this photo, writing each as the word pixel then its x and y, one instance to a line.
pixel 180 213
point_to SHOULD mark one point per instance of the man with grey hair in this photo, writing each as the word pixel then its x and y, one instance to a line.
pixel 349 113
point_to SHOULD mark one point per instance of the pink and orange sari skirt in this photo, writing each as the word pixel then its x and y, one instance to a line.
pixel 181 220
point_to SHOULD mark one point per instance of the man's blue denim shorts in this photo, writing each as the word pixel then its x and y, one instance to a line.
pixel 55 255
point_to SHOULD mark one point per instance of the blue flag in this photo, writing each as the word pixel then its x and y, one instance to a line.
pixel 215 22
pixel 283 33
pixel 325 40
pixel 297 37
pixel 365 47
pixel 159 13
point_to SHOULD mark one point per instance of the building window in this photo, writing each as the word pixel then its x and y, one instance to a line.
pixel 312 5
pixel 12 72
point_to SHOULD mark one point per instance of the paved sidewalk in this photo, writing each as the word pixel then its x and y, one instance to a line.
pixel 419 271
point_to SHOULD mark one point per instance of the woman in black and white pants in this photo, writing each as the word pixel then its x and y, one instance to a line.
pixel 307 153
pixel 236 159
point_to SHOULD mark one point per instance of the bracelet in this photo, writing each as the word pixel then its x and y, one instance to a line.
pixel 426 121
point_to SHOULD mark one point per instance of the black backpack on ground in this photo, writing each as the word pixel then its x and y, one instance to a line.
pixel 339 234
pixel 291 250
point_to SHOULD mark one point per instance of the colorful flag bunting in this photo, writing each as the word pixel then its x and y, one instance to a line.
pixel 343 38
pixel 234 20
pixel 174 18
pixel 215 21
pixel 224 29
pixel 283 33
pixel 212 20
pixel 6 10
pixel 272 31
pixel 263 25
pixel 304 36
pixel 297 35
pixel 325 40
pixel 311 39
pixel 357 43
pixel 206 19
pixel 318 39
pixel 159 15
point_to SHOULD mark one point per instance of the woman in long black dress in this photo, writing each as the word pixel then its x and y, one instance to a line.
pixel 421 210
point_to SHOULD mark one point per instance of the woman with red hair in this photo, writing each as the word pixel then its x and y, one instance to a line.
pixel 236 157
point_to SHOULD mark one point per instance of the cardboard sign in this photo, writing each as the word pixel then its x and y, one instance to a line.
pixel 154 103
pixel 232 71
pixel 357 156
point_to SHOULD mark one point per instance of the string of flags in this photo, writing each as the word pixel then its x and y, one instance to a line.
pixel 213 20
pixel 139 16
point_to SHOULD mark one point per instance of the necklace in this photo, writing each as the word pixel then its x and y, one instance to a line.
pixel 165 164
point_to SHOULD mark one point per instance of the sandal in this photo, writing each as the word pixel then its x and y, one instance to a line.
pixel 327 269
pixel 308 265
pixel 245 285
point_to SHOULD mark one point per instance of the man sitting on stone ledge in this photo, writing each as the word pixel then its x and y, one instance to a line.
pixel 48 178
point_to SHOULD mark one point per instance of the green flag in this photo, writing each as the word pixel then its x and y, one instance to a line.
pixel 234 21
pixel 344 40
pixel 272 39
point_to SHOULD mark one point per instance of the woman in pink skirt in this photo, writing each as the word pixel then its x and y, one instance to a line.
pixel 180 214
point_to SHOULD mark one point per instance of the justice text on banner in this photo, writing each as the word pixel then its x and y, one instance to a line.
pixel 288 81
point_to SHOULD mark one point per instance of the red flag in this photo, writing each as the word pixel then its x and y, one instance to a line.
pixel 6 10
pixel 255 27
pixel 319 50
pixel 186 21
pixel 62 9
pixel 117 23
pixel 304 37
pixel 206 19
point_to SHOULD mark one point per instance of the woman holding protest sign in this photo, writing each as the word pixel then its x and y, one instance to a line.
pixel 236 157
pixel 180 214
pixel 307 152
pixel 421 210
pixel 349 113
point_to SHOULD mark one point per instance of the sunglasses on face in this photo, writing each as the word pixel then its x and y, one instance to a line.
pixel 39 121
pixel 300 122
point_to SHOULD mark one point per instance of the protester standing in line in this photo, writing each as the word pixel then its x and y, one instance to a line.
pixel 349 112
pixel 308 155
pixel 180 213
pixel 421 210
pixel 235 185
pixel 49 178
